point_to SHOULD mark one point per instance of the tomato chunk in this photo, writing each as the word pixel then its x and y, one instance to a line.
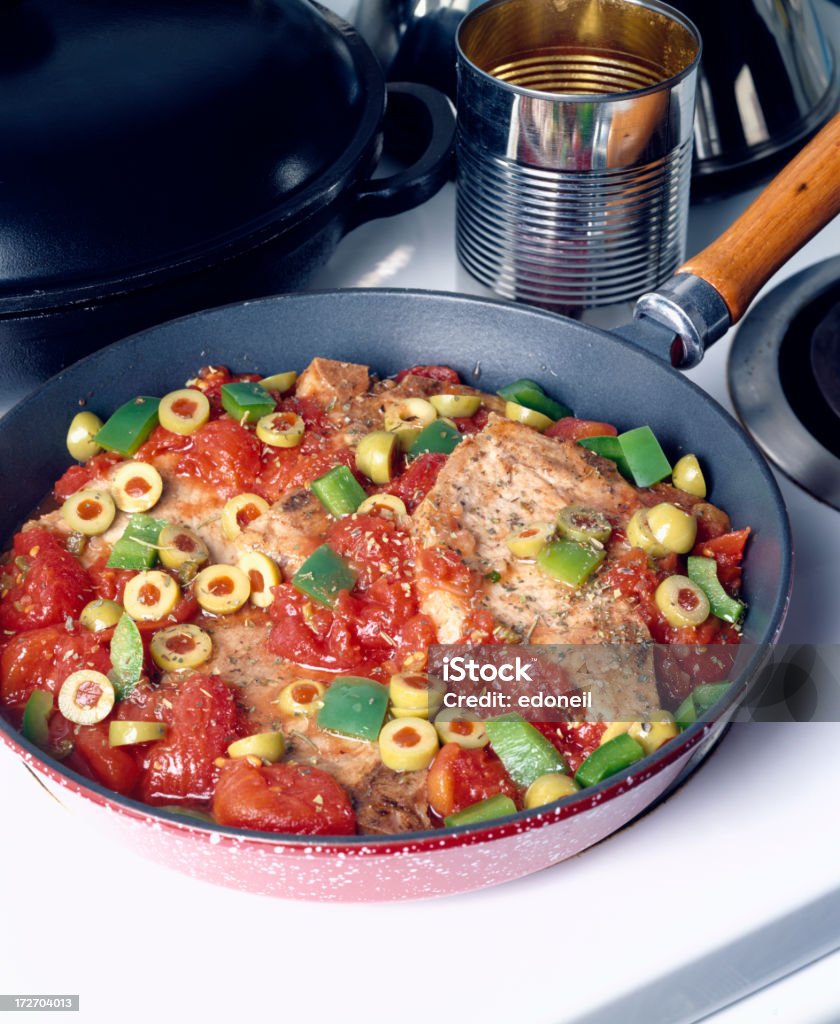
pixel 414 484
pixel 210 380
pixel 631 575
pixel 282 798
pixel 47 584
pixel 375 547
pixel 109 584
pixel 77 477
pixel 360 634
pixel 460 777
pixel 570 428
pixel 115 767
pixel 472 424
pixel 160 442
pixel 728 551
pixel 203 721
pixel 184 611
pixel 575 740
pixel 41 659
pixel 225 455
pixel 310 636
pixel 288 468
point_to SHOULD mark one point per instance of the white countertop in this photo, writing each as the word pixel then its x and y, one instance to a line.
pixel 733 882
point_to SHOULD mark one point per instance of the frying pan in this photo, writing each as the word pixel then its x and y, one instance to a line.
pixel 602 375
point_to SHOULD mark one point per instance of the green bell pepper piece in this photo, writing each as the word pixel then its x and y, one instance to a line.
pixel 36 717
pixel 522 749
pixel 706 695
pixel 686 713
pixel 246 401
pixel 323 575
pixel 610 448
pixel 569 562
pixel 614 756
pixel 436 437
pixel 644 456
pixel 531 394
pixel 126 429
pixel 338 491
pixel 498 806
pixel 636 453
pixel 126 656
pixel 354 706
pixel 137 548
pixel 701 699
pixel 704 572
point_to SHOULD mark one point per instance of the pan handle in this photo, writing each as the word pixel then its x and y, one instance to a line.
pixel 712 290
pixel 413 111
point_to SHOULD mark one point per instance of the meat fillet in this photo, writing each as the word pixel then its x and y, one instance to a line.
pixel 495 483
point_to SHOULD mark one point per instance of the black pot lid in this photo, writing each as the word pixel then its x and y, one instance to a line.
pixel 142 136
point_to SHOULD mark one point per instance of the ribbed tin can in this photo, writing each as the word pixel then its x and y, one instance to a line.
pixel 574 148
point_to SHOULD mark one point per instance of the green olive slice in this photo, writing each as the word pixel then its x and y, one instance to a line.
pixel 688 476
pixel 281 429
pixel 639 535
pixel 674 529
pixel 583 524
pixel 86 697
pixel 302 697
pixel 412 694
pixel 221 589
pixel 682 601
pixel 268 746
pixel 411 413
pixel 279 383
pixel 461 726
pixel 456 405
pixel 89 511
pixel 240 512
pixel 136 486
pixel 530 540
pixel 150 595
pixel 263 573
pixel 178 546
pixel 184 411
pixel 81 436
pixel 180 647
pixel 408 744
pixel 546 789
pixel 383 504
pixel 100 614
pixel 125 733
pixel 530 417
pixel 376 454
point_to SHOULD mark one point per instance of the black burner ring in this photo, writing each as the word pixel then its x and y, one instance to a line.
pixel 783 391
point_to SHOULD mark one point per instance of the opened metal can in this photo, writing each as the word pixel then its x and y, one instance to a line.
pixel 574 148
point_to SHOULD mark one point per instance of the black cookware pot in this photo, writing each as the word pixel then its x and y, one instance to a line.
pixel 601 375
pixel 161 156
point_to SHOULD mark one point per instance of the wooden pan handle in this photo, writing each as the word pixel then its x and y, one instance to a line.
pixel 801 200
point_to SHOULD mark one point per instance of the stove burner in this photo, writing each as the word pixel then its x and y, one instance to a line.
pixel 825 357
pixel 784 378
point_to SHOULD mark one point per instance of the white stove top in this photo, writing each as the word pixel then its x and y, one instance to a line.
pixel 732 883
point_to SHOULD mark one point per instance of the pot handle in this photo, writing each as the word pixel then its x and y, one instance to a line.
pixel 711 291
pixel 423 112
